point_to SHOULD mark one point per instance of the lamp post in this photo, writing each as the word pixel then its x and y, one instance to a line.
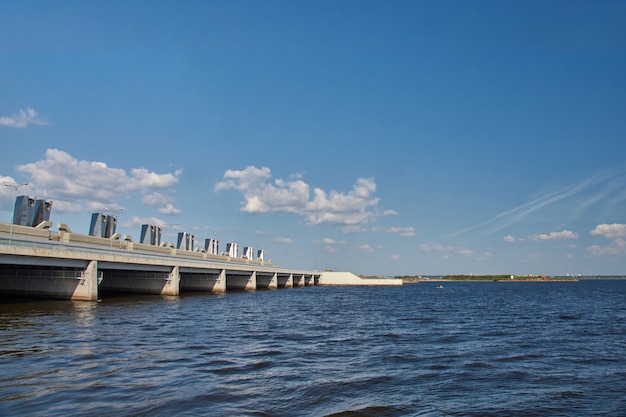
pixel 15 187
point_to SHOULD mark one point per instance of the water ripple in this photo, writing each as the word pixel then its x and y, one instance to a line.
pixel 476 349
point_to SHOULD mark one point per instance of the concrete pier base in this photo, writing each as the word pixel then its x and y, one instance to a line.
pixel 240 281
pixel 172 283
pixel 309 280
pixel 214 281
pixel 284 280
pixel 266 281
pixel 220 284
pixel 54 283
pixel 87 288
pixel 298 280
pixel 160 281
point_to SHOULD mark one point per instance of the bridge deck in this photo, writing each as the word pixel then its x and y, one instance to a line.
pixel 40 262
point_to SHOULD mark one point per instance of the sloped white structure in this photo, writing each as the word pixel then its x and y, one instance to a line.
pixel 348 278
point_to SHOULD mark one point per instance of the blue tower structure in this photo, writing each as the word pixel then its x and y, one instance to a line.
pixel 211 246
pixel 29 211
pixel 151 234
pixel 102 225
pixel 185 241
pixel 23 210
pixel 41 212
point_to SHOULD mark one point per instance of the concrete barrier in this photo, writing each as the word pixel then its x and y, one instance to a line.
pixel 27 231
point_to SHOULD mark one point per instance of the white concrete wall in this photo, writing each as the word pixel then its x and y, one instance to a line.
pixel 348 278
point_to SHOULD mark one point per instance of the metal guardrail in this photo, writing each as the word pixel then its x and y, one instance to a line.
pixel 36 273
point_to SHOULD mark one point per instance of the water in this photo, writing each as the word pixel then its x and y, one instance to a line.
pixel 469 349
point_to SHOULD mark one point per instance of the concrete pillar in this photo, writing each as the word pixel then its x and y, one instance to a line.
pixel 298 281
pixel 220 284
pixel 251 285
pixel 172 283
pixel 273 282
pixel 87 286
pixel 289 283
pixel 310 280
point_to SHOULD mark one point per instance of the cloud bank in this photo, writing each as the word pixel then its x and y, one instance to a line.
pixel 565 234
pixel 614 231
pixel 610 231
pixel 23 118
pixel 85 185
pixel 261 195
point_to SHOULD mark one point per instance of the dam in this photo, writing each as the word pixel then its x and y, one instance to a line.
pixel 36 261
pixel 39 261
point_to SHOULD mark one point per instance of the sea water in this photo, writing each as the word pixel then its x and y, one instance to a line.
pixel 468 349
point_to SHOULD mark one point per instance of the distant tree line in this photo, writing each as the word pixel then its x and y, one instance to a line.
pixel 409 278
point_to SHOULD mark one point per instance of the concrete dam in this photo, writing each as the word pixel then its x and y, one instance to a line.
pixel 37 261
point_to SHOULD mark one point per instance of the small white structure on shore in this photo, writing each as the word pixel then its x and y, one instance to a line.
pixel 348 278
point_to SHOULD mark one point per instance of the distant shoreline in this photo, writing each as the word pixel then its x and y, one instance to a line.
pixel 499 278
pixel 416 280
pixel 503 278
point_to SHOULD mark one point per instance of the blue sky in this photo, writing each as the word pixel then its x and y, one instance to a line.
pixel 383 138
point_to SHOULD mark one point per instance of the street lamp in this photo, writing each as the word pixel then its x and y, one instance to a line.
pixel 15 187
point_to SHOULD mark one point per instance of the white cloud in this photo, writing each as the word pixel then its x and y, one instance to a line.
pixel 138 221
pixel 402 231
pixel 72 183
pixel 23 118
pixel 169 209
pixel 295 196
pixel 446 251
pixel 148 179
pixel 155 199
pixel 617 248
pixel 564 234
pixel 395 257
pixel 330 249
pixel 7 193
pixel 329 241
pixel 610 231
pixel 282 240
pixel 347 230
pixel 509 239
pixel 616 231
pixel 465 251
pixel 435 248
pixel 365 248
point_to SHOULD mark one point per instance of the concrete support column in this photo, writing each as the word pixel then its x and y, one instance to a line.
pixel 251 285
pixel 172 283
pixel 289 283
pixel 298 281
pixel 87 286
pixel 310 280
pixel 273 282
pixel 220 284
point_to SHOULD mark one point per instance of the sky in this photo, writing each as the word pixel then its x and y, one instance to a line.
pixel 382 138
